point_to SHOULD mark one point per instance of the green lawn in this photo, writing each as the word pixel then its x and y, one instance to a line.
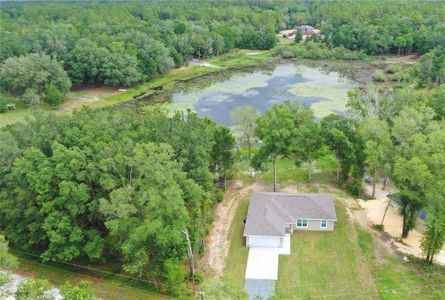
pixel 288 173
pixel 112 288
pixel 396 279
pixel 325 264
pixel 12 116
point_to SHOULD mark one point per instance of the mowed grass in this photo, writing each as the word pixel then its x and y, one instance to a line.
pixel 288 173
pixel 110 288
pixel 237 259
pixel 325 264
pixel 11 116
pixel 396 279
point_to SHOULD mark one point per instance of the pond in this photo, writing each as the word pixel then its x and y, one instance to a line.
pixel 324 91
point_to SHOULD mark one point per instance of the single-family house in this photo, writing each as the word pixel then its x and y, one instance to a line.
pixel 270 221
pixel 306 29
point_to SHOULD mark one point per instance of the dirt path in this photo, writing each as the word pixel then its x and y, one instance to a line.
pixel 218 240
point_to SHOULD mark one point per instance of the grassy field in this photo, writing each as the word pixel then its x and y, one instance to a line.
pixel 396 279
pixel 325 264
pixel 111 288
pixel 287 173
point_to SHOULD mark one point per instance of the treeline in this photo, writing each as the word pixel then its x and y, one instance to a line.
pixel 125 43
pixel 118 43
pixel 382 27
pixel 112 185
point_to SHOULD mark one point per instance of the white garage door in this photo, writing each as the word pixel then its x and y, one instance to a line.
pixel 266 241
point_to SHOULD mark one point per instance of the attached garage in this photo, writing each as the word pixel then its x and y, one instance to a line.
pixel 264 241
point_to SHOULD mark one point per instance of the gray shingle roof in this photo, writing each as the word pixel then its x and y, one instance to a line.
pixel 270 213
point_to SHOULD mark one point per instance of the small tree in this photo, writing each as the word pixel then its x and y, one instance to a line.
pixel 275 129
pixel 34 289
pixel 243 117
pixel 307 140
pixel 6 259
pixel 434 236
pixel 298 36
pixel 174 277
pixel 52 95
pixel 223 152
pixel 82 291
pixel 31 97
pixel 412 178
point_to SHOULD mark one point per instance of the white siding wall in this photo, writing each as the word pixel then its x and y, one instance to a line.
pixel 264 241
pixel 314 225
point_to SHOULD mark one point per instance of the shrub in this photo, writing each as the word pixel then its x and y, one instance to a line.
pixel 174 277
pixel 379 227
pixel 379 76
pixel 219 196
pixel 82 291
pixel 3 107
pixel 31 97
pixel 52 95
pixel 31 289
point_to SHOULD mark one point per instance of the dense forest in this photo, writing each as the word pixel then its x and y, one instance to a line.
pixel 125 43
pixel 94 186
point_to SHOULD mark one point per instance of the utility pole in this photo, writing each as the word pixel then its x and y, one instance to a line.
pixel 190 253
pixel 384 215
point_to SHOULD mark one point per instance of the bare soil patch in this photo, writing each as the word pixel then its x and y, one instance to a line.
pixel 218 240
pixel 374 211
pixel 87 95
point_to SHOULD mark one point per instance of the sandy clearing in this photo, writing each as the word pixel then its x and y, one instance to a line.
pixel 375 210
pixel 88 95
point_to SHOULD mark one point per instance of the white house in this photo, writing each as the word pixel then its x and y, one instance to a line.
pixel 271 220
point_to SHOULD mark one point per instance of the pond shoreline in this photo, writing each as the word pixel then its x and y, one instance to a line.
pixel 220 89
pixel 160 89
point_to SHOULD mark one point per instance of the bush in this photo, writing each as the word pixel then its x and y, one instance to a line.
pixel 52 95
pixel 174 277
pixel 379 227
pixel 3 107
pixel 392 69
pixel 31 97
pixel 82 291
pixel 219 196
pixel 32 289
pixel 379 76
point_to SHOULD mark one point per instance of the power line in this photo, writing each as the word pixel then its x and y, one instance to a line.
pixel 100 271
pixel 61 281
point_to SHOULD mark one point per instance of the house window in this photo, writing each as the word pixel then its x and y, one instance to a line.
pixel 323 224
pixel 301 223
